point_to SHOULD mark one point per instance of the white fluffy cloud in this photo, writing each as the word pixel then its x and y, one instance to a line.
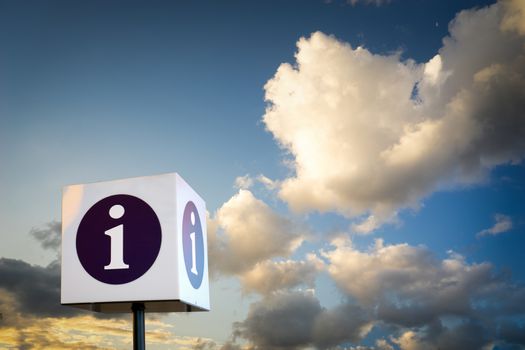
pixel 513 17
pixel 245 231
pixel 372 134
pixel 447 304
pixel 243 182
pixel 421 301
pixel 270 276
pixel 408 282
pixel 503 224
pixel 246 238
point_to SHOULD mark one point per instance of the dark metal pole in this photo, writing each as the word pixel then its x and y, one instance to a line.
pixel 139 332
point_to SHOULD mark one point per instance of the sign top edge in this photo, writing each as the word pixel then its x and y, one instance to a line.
pixel 122 179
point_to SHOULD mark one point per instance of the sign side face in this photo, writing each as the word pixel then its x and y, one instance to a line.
pixel 193 248
pixel 119 242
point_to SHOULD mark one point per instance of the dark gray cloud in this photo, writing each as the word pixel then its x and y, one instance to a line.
pixel 36 289
pixel 49 235
pixel 512 333
pixel 426 302
pixel 282 321
pixel 211 345
pixel 469 335
pixel 345 323
pixel 422 302
pixel 205 345
pixel 296 320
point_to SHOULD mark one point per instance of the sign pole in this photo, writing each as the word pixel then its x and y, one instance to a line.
pixel 139 334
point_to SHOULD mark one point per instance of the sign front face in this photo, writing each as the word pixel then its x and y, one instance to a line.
pixel 134 240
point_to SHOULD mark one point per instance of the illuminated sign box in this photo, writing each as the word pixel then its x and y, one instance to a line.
pixel 135 240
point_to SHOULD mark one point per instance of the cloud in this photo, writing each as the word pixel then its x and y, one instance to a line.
pixel 270 276
pixel 30 308
pixel 422 301
pixel 246 238
pixel 33 318
pixel 297 320
pixel 39 336
pixel 247 181
pixel 514 17
pixel 466 336
pixel 503 224
pixel 433 303
pixel 36 289
pixel 408 283
pixel 245 231
pixel 33 290
pixel 87 332
pixel 243 182
pixel 268 183
pixel 281 321
pixel 513 333
pixel 49 235
pixel 373 134
pixel 342 324
pixel 373 222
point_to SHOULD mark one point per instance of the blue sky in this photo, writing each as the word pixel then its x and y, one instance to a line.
pixel 352 133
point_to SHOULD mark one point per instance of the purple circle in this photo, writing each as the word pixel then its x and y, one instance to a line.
pixel 118 250
pixel 193 244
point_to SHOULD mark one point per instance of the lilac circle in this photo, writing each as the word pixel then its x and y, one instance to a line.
pixel 191 227
pixel 141 238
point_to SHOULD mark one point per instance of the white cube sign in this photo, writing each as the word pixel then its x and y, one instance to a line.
pixel 135 240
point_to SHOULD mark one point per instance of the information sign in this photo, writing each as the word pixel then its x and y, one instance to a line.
pixel 137 240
